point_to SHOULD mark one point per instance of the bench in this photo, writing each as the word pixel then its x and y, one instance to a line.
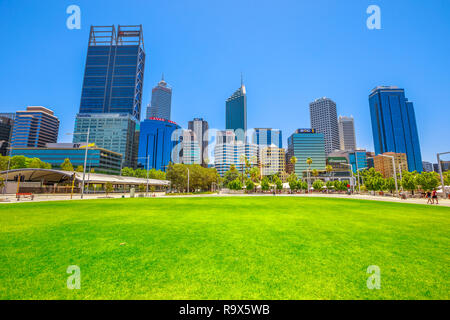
pixel 24 195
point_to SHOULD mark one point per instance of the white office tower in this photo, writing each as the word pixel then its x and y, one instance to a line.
pixel 324 120
pixel 229 151
pixel 347 133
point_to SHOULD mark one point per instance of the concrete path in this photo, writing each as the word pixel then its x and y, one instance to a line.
pixel 51 197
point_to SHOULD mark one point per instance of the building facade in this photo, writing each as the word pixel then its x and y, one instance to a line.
pixel 271 160
pixel 114 71
pixel 188 148
pixel 98 159
pixel 200 128
pixel 385 166
pixel 229 151
pixel 324 120
pixel 427 166
pixel 112 89
pixel 394 124
pixel 161 104
pixel 347 133
pixel 158 139
pixel 236 113
pixel 6 126
pixel 34 128
pixel 110 131
pixel 356 158
pixel 267 137
pixel 304 144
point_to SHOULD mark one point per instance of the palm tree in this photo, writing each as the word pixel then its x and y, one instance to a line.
pixel 329 169
pixel 243 160
pixel 293 161
pixel 309 163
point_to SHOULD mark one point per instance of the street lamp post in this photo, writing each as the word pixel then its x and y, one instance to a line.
pixel 85 156
pixel 444 192
pixel 353 178
pixel 187 179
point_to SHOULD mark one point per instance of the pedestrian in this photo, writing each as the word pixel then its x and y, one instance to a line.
pixel 434 196
pixel 428 195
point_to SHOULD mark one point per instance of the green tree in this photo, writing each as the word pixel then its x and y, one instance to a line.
pixel 278 183
pixel 428 180
pixel 79 168
pixel 128 172
pixel 250 185
pixel 265 186
pixel 389 184
pixel 177 175
pixel 235 185
pixel 330 185
pixel 4 163
pixel 255 174
pixel 329 170
pixel 66 165
pixel 92 170
pixel 303 185
pixel 19 162
pixel 446 178
pixel 108 188
pixel 317 185
pixel 231 175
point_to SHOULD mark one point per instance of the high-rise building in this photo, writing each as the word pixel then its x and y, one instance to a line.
pixel 324 120
pixel 6 126
pixel 445 165
pixel 188 148
pixel 347 133
pixel 304 144
pixel 228 151
pixel 384 164
pixel 200 128
pixel 427 166
pixel 236 113
pixel 114 72
pixel 160 105
pixel 356 158
pixel 267 137
pixel 112 89
pixel 157 141
pixel 111 131
pixel 394 124
pixel 34 128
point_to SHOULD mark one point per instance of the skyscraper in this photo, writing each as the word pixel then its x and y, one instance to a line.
pixel 160 105
pixel 6 126
pixel 200 129
pixel 394 124
pixel 112 88
pixel 236 113
pixel 347 133
pixel 188 149
pixel 324 120
pixel 267 137
pixel 228 151
pixel 157 139
pixel 34 128
pixel 304 144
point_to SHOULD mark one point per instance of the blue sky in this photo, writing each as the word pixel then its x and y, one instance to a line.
pixel 290 52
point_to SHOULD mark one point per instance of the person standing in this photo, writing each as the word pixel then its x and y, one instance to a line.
pixel 428 197
pixel 434 196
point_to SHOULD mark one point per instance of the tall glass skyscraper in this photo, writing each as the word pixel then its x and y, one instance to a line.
pixel 160 106
pixel 304 144
pixel 111 96
pixel 394 124
pixel 114 72
pixel 236 113
pixel 200 128
pixel 6 126
pixel 267 137
pixel 157 141
pixel 34 127
pixel 347 133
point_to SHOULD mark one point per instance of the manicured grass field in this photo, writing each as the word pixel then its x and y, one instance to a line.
pixel 224 248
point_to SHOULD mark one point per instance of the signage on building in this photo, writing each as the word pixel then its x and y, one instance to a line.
pixel 161 119
pixel 306 131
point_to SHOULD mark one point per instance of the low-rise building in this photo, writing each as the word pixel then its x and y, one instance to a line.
pixel 99 159
pixel 383 163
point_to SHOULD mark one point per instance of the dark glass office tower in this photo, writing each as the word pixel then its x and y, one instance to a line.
pixel 236 113
pixel 112 90
pixel 394 125
pixel 6 125
pixel 114 72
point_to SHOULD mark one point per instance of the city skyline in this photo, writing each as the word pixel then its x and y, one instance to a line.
pixel 291 107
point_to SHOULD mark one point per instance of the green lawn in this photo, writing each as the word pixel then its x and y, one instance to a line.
pixel 224 248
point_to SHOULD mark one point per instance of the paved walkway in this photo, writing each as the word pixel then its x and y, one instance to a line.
pixel 52 197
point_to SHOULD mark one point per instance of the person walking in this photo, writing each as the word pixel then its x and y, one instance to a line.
pixel 434 196
pixel 428 195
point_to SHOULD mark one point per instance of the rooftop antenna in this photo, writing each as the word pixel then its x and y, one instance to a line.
pixel 242 80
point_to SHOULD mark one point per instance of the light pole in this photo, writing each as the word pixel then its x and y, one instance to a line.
pixel 444 192
pixel 9 164
pixel 353 178
pixel 85 157
pixel 187 179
